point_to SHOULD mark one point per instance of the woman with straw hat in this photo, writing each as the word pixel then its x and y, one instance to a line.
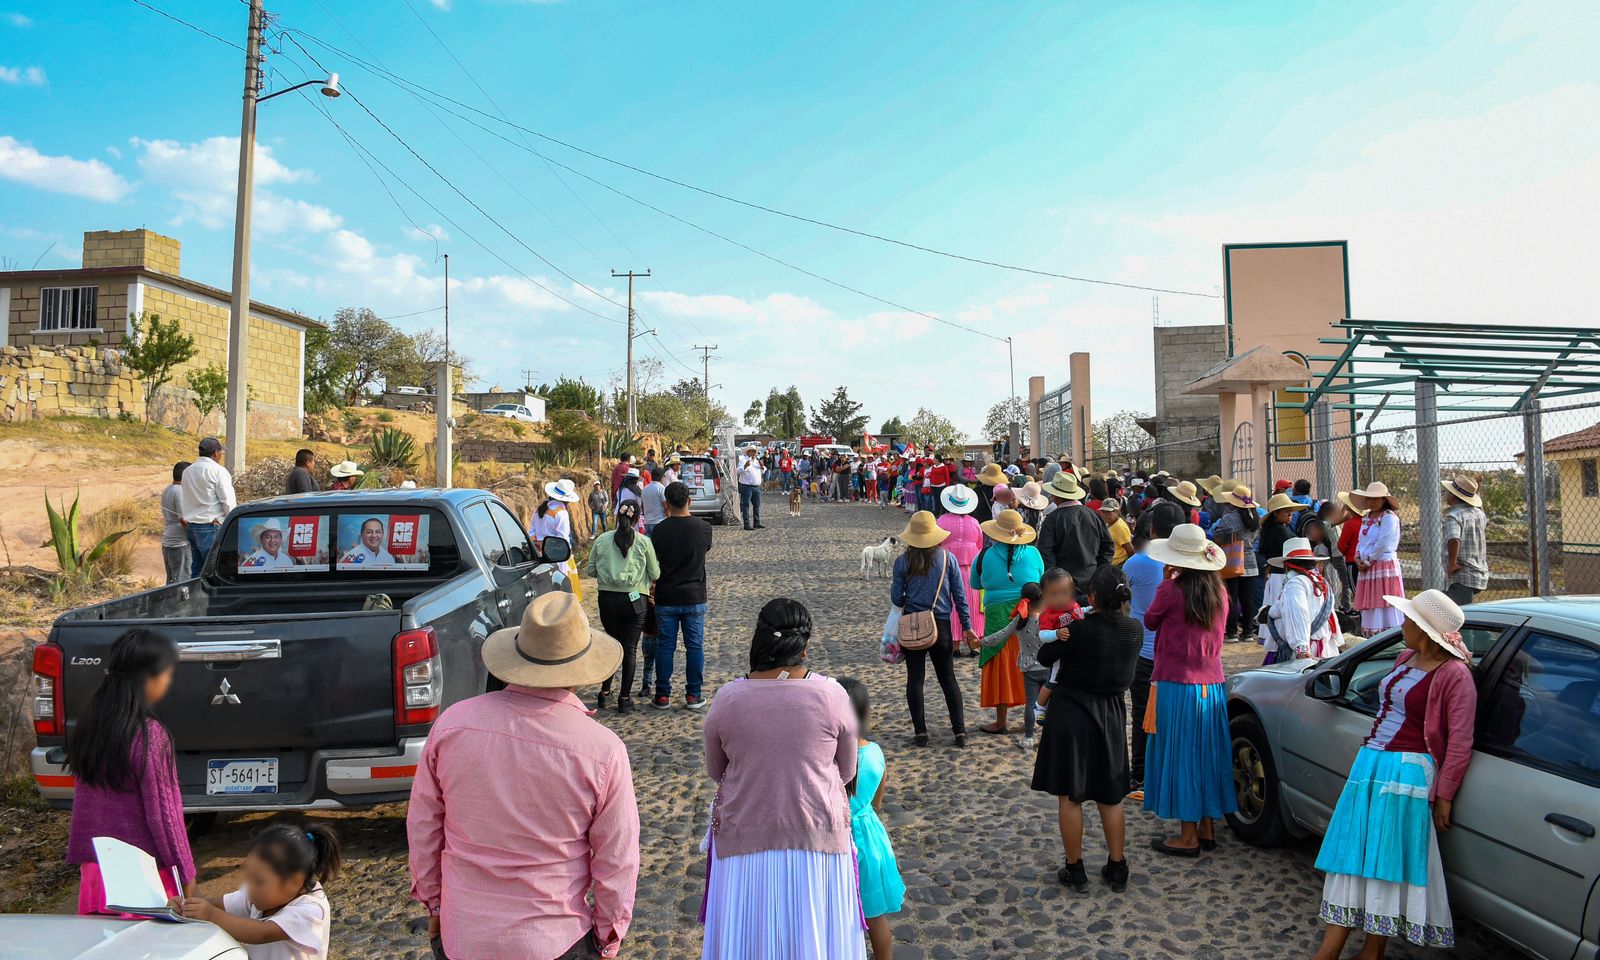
pixel 1276 528
pixel 1008 564
pixel 987 480
pixel 1303 623
pixel 1030 501
pixel 1188 765
pixel 554 519
pixel 1377 559
pixel 1240 524
pixel 1381 849
pixel 928 578
pixel 966 539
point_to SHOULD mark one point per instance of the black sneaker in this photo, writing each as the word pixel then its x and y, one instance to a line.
pixel 1115 872
pixel 761 526
pixel 662 703
pixel 694 703
pixel 624 704
pixel 1073 875
pixel 961 740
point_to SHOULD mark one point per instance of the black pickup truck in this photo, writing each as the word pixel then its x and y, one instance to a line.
pixel 323 638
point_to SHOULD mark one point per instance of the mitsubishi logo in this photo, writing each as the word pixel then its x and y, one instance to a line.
pixel 225 696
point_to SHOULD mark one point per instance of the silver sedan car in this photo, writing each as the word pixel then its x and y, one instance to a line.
pixel 1522 858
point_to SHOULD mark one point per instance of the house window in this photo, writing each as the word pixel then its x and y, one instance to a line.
pixel 1591 478
pixel 1291 426
pixel 67 308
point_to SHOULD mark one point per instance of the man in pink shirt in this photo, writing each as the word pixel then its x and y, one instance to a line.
pixel 523 805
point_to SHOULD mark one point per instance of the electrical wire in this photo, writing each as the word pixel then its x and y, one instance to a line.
pixel 191 26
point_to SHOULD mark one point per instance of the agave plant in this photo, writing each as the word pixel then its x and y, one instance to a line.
pixel 64 538
pixel 392 447
pixel 617 445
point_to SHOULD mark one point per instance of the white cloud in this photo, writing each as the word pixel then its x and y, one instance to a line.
pixel 23 76
pixel 431 232
pixel 92 179
pixel 203 178
pixel 18 20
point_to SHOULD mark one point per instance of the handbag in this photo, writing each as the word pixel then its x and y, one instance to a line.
pixel 919 630
pixel 1234 551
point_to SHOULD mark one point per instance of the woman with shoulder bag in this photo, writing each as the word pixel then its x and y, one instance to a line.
pixel 1236 533
pixel 926 588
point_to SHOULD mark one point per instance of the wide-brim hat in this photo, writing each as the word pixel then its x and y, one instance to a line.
pixel 1188 548
pixel 562 490
pixel 959 498
pixel 992 473
pixel 1064 485
pixel 923 531
pixel 273 525
pixel 1349 504
pixel 1236 496
pixel 1297 549
pixel 1006 493
pixel 1210 484
pixel 1009 527
pixel 1438 616
pixel 553 646
pixel 1031 495
pixel 1282 501
pixel 1185 491
pixel 1464 489
pixel 1376 490
pixel 344 468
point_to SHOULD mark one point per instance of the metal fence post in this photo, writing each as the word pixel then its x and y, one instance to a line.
pixel 1430 521
pixel 1322 447
pixel 1538 508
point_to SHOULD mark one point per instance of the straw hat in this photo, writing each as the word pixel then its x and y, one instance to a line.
pixel 991 474
pixel 554 646
pixel 1376 490
pixel 1064 485
pixel 1349 504
pixel 1236 496
pixel 959 498
pixel 1185 491
pixel 1296 548
pixel 1464 489
pixel 1439 618
pixel 922 531
pixel 1188 548
pixel 562 490
pixel 1008 527
pixel 1211 483
pixel 274 525
pixel 345 468
pixel 1031 495
pixel 1282 501
pixel 1006 493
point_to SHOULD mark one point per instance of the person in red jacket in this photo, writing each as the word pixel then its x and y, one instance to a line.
pixel 938 479
pixel 1350 536
pixel 619 471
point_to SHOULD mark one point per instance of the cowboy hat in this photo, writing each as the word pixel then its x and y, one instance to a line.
pixel 1188 548
pixel 1344 498
pixel 553 646
pixel 922 531
pixel 1438 616
pixel 1282 501
pixel 1185 491
pixel 991 474
pixel 1376 490
pixel 1236 496
pixel 1464 489
pixel 1031 495
pixel 959 498
pixel 1064 485
pixel 562 490
pixel 273 525
pixel 344 468
pixel 1110 505
pixel 674 461
pixel 1008 527
pixel 1296 548
pixel 1209 484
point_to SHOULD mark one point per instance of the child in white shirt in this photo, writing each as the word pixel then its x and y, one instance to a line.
pixel 281 911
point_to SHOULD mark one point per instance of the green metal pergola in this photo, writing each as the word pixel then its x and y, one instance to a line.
pixel 1488 369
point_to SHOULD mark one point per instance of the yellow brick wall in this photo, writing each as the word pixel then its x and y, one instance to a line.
pixel 111 311
pixel 131 248
pixel 274 362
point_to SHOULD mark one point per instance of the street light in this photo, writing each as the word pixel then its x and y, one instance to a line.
pixel 329 88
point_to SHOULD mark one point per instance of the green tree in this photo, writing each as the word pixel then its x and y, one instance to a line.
pixel 210 388
pixel 929 431
pixel 569 394
pixel 1118 434
pixel 784 414
pixel 367 349
pixel 754 414
pixel 572 431
pixel 326 368
pixel 154 348
pixel 839 417
pixel 1002 415
pixel 893 426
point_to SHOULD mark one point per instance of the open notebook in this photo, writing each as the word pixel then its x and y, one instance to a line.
pixel 133 881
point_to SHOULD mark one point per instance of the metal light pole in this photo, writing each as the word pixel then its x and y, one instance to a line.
pixel 443 467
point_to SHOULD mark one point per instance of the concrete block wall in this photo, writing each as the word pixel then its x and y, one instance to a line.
pixel 273 369
pixel 131 248
pixel 41 381
pixel 1183 354
pixel 111 316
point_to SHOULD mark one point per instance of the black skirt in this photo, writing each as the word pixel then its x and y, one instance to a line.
pixel 1083 754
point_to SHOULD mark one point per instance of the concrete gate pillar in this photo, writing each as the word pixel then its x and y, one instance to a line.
pixel 1082 412
pixel 1035 432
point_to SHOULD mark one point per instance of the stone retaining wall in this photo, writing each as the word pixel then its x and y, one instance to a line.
pixel 502 451
pixel 40 381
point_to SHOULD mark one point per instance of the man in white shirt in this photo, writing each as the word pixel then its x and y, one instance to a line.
pixel 207 498
pixel 371 551
pixel 750 478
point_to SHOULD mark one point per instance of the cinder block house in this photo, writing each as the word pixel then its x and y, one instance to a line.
pixel 129 272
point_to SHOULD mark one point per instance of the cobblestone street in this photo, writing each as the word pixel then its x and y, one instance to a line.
pixel 978 848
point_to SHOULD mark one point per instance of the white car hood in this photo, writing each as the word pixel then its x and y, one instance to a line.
pixel 52 937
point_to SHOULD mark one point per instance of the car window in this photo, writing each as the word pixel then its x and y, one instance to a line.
pixel 694 471
pixel 1545 709
pixel 519 549
pixel 1361 692
pixel 485 532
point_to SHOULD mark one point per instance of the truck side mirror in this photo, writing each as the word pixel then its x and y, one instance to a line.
pixel 555 550
pixel 1325 685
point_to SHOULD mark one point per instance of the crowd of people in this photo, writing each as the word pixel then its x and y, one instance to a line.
pixel 1099 604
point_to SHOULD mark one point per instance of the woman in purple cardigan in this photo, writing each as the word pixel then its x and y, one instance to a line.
pixel 127 777
pixel 781 743
pixel 1381 851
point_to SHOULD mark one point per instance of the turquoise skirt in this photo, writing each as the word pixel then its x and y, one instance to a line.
pixel 1188 761
pixel 882 889
pixel 1383 824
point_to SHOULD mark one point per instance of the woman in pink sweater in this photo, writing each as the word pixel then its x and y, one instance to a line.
pixel 127 778
pixel 781 744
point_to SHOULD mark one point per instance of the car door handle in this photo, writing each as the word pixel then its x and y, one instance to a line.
pixel 1582 828
pixel 502 602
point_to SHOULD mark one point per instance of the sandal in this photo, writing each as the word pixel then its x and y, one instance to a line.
pixel 1160 845
pixel 991 728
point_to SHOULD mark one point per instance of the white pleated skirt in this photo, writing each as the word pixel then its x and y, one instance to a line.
pixel 784 905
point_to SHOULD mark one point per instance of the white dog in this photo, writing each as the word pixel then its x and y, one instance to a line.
pixel 878 560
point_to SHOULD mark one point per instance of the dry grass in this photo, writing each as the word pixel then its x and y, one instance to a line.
pixel 142 517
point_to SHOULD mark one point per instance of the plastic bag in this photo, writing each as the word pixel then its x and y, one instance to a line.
pixel 889 645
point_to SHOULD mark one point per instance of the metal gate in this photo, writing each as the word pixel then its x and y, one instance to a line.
pixel 1242 459
pixel 1055 422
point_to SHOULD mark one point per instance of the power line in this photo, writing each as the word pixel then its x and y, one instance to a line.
pixel 191 26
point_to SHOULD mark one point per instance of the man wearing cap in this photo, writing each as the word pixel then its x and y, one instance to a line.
pixel 1072 536
pixel 750 480
pixel 1466 550
pixel 207 498
pixel 523 806
pixel 1121 537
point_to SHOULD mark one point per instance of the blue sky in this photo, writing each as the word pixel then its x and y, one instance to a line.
pixel 1454 145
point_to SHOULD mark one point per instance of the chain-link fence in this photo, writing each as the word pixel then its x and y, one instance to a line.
pixel 1194 454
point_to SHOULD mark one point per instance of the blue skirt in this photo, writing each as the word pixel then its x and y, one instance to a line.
pixel 1188 763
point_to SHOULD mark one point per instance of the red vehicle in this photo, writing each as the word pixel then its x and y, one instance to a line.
pixel 814 440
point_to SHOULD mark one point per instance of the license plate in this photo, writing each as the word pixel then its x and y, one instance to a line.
pixel 242 776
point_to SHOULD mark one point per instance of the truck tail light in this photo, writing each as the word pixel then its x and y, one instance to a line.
pixel 47 715
pixel 418 680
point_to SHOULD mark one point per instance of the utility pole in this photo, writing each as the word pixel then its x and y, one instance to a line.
pixel 633 419
pixel 443 466
pixel 705 383
pixel 236 410
pixel 527 377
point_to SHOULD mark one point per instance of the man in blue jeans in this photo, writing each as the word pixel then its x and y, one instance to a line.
pixel 681 543
pixel 751 476
pixel 206 498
